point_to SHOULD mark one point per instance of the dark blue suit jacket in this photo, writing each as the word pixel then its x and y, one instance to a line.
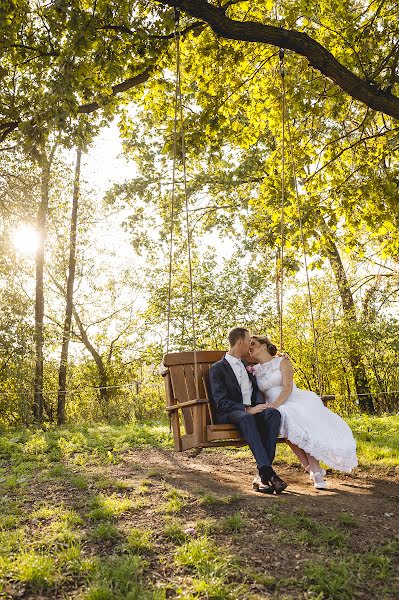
pixel 226 391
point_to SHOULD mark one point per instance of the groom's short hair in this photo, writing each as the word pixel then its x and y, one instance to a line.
pixel 238 333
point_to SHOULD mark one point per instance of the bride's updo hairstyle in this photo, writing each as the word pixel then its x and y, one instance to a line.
pixel 262 339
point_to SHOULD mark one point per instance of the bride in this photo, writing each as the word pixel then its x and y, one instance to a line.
pixel 313 431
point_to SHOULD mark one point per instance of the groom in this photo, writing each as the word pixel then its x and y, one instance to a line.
pixel 238 401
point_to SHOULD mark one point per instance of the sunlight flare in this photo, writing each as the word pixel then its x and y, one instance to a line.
pixel 26 239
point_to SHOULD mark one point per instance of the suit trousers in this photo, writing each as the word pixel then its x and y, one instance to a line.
pixel 260 431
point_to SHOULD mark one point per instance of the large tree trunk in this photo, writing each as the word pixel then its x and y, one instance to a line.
pixel 349 309
pixel 102 373
pixel 62 373
pixel 39 295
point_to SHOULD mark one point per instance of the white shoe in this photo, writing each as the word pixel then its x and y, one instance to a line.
pixel 318 480
pixel 256 482
pixel 322 472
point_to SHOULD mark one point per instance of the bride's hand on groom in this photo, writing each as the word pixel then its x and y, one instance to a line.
pixel 254 410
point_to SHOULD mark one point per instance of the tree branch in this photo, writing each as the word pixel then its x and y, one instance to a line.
pixel 118 88
pixel 9 127
pixel 301 43
pixel 40 52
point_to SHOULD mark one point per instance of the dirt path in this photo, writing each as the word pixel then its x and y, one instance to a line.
pixel 370 494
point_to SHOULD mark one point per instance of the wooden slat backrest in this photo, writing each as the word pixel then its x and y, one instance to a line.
pixel 181 369
pixel 190 382
pixel 203 380
pixel 206 389
pixel 180 393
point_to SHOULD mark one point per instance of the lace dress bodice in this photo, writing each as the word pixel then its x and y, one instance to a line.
pixel 268 375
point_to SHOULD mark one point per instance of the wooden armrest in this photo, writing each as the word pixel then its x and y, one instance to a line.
pixel 327 397
pixel 184 404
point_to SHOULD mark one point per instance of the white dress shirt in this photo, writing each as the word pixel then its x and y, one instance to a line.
pixel 242 377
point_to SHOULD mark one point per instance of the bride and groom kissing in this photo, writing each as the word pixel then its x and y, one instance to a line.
pixel 264 404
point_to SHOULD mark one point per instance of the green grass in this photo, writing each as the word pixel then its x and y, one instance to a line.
pixel 46 512
pixel 343 578
pixel 13 482
pixel 211 567
pixel 139 541
pixel 176 501
pixel 8 521
pixel 105 532
pixel 109 507
pixel 234 524
pixel 11 541
pixel 173 530
pixel 145 487
pixel 377 439
pixel 208 498
pixel 97 444
pixel 332 579
pixel 72 562
pixel 204 556
pixel 208 526
pixel 347 520
pixel 36 570
pixel 299 529
pixel 120 578
pixel 108 483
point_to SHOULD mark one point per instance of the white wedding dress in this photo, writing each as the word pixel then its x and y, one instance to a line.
pixel 306 422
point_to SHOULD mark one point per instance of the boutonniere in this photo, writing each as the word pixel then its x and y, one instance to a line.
pixel 250 369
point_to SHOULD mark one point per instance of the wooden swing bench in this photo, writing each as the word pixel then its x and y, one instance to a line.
pixel 198 428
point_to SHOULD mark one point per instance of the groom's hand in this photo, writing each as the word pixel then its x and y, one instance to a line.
pixel 254 410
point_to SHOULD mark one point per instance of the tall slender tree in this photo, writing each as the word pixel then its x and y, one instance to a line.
pixel 66 334
pixel 41 224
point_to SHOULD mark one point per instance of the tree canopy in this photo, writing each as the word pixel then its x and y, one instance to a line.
pixel 70 68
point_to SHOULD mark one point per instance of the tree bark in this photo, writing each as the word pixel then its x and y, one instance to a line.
pixel 301 43
pixel 39 292
pixel 348 305
pixel 102 373
pixel 119 88
pixel 62 373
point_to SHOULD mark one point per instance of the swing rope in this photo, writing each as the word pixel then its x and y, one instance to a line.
pixel 285 116
pixel 172 215
pixel 179 124
pixel 282 220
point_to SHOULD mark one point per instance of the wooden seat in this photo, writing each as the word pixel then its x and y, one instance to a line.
pixel 192 418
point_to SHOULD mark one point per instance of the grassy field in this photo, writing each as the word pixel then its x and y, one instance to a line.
pixel 94 513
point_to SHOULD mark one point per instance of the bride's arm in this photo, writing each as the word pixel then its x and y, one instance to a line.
pixel 288 379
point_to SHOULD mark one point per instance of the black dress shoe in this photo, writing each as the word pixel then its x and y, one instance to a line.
pixel 265 474
pixel 262 488
pixel 277 484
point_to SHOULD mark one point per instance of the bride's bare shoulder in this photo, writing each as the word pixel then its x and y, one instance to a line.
pixel 285 362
